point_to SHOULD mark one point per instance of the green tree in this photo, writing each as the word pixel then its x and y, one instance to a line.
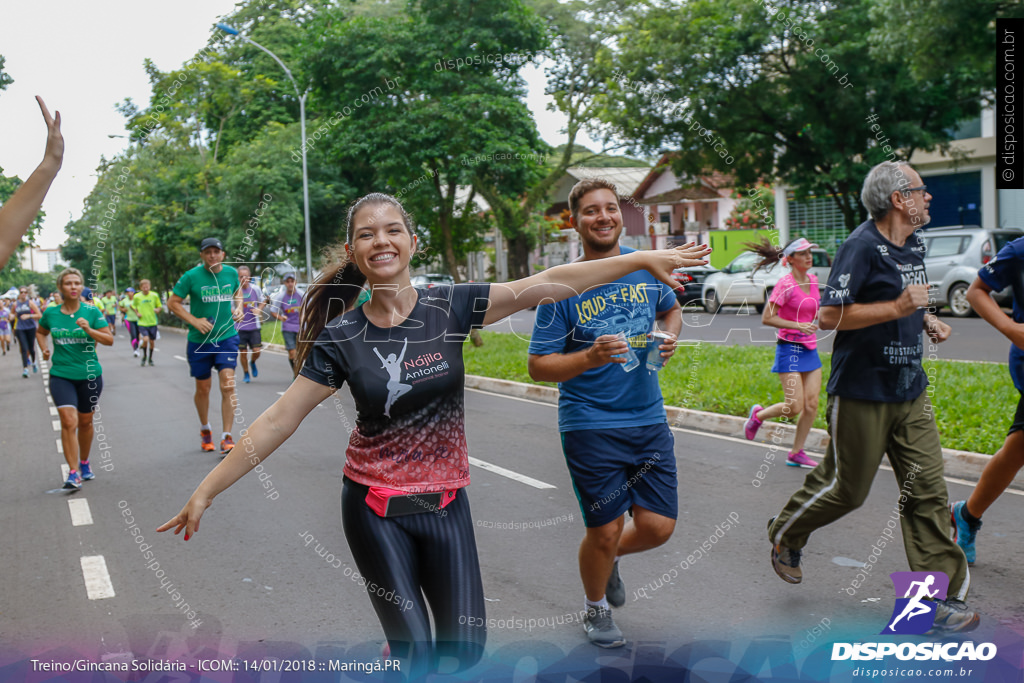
pixel 419 119
pixel 576 38
pixel 262 171
pixel 148 202
pixel 5 78
pixel 942 38
pixel 778 91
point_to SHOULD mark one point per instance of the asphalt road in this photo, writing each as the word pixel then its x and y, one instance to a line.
pixel 972 338
pixel 258 589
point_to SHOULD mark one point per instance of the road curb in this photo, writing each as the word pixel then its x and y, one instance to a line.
pixel 960 464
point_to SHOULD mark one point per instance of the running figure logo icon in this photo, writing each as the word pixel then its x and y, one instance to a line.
pixel 393 365
pixel 915 611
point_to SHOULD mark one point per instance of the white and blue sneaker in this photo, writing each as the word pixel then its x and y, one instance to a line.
pixel 74 481
pixel 246 378
pixel 964 532
pixel 85 471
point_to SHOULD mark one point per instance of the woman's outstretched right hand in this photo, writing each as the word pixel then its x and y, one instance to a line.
pixel 188 518
pixel 54 140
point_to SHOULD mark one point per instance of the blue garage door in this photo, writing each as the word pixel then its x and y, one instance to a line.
pixel 956 198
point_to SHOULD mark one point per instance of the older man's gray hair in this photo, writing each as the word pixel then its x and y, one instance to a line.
pixel 884 179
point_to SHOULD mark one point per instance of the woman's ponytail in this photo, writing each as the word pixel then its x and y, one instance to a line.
pixel 332 293
pixel 770 253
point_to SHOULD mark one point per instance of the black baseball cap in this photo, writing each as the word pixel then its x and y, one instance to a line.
pixel 211 242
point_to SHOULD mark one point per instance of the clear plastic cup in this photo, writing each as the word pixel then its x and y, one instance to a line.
pixel 655 361
pixel 632 360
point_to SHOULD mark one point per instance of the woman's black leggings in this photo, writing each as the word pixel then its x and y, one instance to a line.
pixel 133 332
pixel 27 344
pixel 404 559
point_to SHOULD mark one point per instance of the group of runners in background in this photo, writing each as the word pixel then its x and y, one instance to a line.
pixel 76 320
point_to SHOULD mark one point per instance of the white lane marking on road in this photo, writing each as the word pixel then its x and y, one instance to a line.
pixel 64 470
pixel 722 437
pixel 56 425
pixel 97 578
pixel 49 399
pixel 512 398
pixel 515 476
pixel 80 513
pixel 60 449
pixel 184 360
pixel 53 410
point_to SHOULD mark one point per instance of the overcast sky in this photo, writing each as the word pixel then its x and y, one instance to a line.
pixel 84 58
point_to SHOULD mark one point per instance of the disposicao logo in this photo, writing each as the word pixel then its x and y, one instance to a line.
pixel 914 613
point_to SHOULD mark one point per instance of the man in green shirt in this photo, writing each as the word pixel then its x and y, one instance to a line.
pixel 108 304
pixel 147 304
pixel 214 294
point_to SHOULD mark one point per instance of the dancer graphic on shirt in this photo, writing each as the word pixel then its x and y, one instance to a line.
pixel 394 367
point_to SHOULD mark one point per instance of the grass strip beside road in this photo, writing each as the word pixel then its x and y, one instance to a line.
pixel 974 402
pixel 270 332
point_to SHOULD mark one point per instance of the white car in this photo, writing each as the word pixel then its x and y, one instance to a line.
pixel 738 284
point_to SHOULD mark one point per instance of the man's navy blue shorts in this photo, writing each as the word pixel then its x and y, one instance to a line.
pixel 204 357
pixel 614 469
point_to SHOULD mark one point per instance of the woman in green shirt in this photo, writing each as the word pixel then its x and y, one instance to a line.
pixel 76 378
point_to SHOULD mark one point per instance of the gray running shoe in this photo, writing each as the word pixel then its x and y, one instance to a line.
pixel 786 563
pixel 615 591
pixel 952 616
pixel 600 628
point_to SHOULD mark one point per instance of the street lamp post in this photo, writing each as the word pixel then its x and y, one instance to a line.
pixel 302 119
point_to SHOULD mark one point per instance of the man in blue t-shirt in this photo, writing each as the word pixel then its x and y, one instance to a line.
pixel 615 436
pixel 1007 270
pixel 877 403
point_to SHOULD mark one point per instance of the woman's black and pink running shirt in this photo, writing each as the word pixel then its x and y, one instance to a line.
pixel 408 386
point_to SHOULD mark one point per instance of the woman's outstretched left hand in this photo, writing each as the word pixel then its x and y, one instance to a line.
pixel 663 261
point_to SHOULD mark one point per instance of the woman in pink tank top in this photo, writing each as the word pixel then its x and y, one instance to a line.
pixel 792 308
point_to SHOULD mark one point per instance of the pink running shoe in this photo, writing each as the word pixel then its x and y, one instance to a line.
pixel 753 424
pixel 800 459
